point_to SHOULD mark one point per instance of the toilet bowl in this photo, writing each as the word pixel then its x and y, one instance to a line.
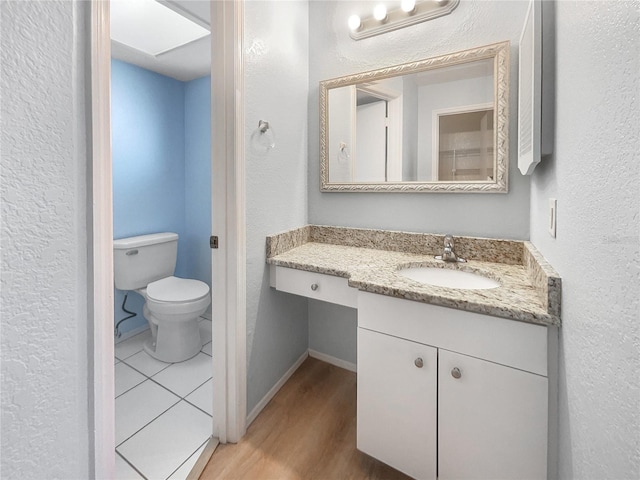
pixel 173 307
pixel 146 264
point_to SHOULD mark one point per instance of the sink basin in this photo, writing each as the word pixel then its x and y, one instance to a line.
pixel 445 277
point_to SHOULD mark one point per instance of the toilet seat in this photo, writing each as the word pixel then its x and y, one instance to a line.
pixel 176 290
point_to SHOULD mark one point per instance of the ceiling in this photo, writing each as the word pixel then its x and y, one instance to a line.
pixel 183 63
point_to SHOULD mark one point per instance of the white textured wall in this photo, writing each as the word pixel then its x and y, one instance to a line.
pixel 45 405
pixel 595 175
pixel 332 53
pixel 276 82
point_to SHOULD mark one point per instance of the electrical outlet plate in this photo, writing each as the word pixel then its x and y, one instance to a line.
pixel 553 220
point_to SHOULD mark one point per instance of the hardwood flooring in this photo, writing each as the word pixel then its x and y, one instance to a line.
pixel 307 431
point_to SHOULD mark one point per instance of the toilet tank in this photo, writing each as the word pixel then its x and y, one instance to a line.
pixel 138 261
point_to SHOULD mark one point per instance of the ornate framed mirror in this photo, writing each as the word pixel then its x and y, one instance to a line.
pixel 434 125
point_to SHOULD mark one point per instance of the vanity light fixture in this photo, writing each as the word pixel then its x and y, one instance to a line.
pixel 410 12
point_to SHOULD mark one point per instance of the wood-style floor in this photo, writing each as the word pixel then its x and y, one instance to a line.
pixel 307 431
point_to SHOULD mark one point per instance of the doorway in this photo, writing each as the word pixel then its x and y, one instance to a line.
pixel 229 377
pixel 463 139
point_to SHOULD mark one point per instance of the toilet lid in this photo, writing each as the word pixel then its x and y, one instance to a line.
pixel 174 289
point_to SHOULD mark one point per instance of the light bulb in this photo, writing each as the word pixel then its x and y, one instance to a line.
pixel 354 22
pixel 408 6
pixel 380 12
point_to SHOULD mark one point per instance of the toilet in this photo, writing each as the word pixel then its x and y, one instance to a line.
pixel 145 264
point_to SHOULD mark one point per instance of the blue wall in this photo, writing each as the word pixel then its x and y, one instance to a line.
pixel 197 157
pixel 157 177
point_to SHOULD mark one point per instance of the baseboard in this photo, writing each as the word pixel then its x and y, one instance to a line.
pixel 272 393
pixel 333 360
pixel 133 333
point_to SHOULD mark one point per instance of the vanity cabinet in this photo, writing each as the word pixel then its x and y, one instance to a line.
pixel 476 408
pixel 492 420
pixel 397 402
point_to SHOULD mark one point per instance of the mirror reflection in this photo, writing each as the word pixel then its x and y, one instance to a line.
pixel 428 126
pixel 464 148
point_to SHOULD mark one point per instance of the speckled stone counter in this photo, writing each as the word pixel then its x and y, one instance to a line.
pixel 530 289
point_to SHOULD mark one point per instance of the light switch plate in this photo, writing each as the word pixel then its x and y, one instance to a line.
pixel 553 216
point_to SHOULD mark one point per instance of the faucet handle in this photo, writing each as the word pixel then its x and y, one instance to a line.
pixel 448 255
pixel 448 241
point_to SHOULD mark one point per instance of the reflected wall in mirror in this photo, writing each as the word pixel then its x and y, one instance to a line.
pixel 439 124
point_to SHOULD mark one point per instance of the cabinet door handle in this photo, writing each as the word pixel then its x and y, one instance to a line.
pixel 314 286
pixel 456 373
pixel 418 362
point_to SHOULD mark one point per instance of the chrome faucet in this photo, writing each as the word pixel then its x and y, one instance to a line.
pixel 448 255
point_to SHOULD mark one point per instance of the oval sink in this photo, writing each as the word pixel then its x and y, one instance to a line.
pixel 445 277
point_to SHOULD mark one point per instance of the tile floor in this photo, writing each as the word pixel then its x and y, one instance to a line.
pixel 163 410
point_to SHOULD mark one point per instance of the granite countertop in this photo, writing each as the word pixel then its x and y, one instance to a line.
pixel 530 289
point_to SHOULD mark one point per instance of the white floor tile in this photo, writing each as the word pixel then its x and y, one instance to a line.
pixel 126 378
pixel 185 468
pixel 203 397
pixel 131 345
pixel 163 445
pixel 205 330
pixel 184 377
pixel 145 363
pixel 207 348
pixel 124 470
pixel 140 405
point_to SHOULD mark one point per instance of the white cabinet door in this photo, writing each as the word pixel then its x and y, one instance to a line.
pixel 397 402
pixel 492 421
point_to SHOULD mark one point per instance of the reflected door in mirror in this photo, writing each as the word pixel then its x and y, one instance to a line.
pixel 464 146
pixel 371 142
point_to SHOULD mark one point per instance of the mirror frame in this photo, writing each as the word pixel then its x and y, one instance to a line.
pixel 497 51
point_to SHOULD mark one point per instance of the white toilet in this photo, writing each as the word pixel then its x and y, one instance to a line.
pixel 145 264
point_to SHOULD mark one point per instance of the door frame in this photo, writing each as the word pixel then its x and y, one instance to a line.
pixel 228 220
pixel 101 246
pixel 228 205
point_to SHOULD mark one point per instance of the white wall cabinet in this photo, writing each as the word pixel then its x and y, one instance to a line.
pixel 470 418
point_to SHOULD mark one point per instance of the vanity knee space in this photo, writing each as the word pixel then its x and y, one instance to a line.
pixel 452 394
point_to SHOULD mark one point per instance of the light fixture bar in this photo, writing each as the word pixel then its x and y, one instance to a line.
pixel 397 18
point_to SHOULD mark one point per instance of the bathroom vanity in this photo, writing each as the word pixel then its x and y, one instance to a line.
pixel 452 383
pixel 458 393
